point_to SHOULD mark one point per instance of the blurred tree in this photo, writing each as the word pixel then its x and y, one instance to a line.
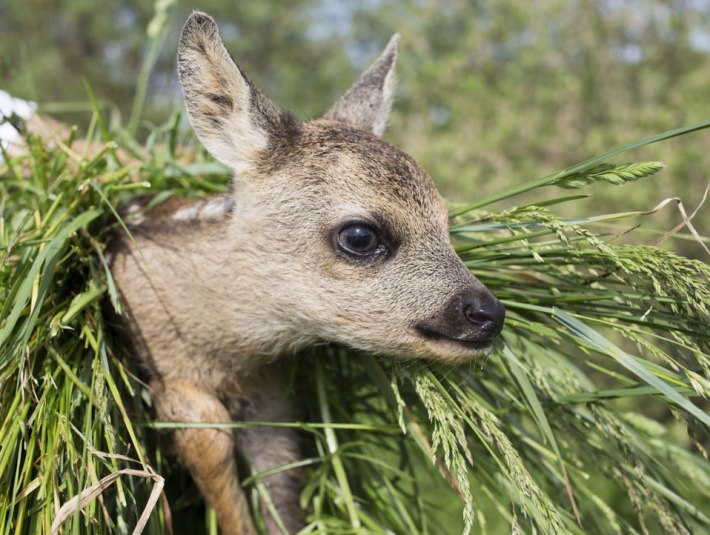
pixel 496 93
pixel 491 93
pixel 529 87
pixel 48 48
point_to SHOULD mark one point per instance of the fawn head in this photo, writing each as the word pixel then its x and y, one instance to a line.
pixel 346 234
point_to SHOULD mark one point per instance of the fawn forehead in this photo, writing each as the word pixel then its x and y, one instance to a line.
pixel 334 159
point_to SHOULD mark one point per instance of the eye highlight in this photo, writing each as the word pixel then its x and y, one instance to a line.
pixel 359 239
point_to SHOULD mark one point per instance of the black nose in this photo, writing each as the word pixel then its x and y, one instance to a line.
pixel 485 314
pixel 473 317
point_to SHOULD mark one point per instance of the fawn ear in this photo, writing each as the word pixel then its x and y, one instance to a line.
pixel 367 103
pixel 231 117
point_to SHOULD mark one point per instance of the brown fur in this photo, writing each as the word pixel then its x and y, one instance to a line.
pixel 221 289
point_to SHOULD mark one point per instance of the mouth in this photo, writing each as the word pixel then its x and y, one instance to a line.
pixel 463 342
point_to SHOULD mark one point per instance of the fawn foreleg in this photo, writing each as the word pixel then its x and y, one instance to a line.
pixel 269 448
pixel 208 453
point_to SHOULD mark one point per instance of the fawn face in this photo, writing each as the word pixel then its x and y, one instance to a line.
pixel 346 236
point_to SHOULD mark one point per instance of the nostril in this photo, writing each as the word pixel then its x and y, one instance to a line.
pixel 476 316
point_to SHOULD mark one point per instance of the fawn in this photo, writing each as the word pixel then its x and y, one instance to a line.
pixel 330 234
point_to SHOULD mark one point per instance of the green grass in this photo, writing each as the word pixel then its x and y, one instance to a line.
pixel 590 416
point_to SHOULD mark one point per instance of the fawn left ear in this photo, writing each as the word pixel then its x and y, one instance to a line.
pixel 367 103
pixel 231 117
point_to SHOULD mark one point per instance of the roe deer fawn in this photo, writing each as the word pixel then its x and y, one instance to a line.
pixel 330 233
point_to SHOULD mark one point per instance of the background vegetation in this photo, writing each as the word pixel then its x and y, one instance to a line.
pixel 590 417
pixel 490 93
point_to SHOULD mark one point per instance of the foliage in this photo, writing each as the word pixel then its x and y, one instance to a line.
pixel 48 51
pixel 490 93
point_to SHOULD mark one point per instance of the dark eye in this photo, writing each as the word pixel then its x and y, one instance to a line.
pixel 358 239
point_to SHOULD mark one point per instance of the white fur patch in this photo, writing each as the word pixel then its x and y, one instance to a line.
pixel 205 211
pixel 10 106
pixel 186 214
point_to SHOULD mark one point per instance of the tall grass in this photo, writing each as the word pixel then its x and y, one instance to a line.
pixel 589 417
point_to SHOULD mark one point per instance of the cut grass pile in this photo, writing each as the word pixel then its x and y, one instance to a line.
pixel 588 417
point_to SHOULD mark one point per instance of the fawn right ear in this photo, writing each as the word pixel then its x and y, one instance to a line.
pixel 231 117
pixel 367 103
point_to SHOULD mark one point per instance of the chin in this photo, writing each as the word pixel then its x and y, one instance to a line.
pixel 454 352
pixel 446 351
